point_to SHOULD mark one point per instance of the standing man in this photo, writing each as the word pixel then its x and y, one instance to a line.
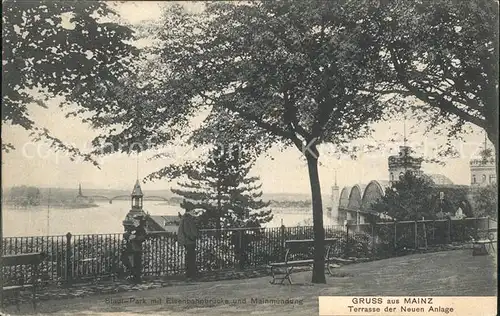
pixel 187 235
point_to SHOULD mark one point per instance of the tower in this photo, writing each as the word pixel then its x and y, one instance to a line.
pixel 483 170
pixel 403 162
pixel 80 189
pixel 136 210
pixel 137 197
pixel 335 201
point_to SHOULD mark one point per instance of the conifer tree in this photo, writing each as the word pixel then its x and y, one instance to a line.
pixel 222 188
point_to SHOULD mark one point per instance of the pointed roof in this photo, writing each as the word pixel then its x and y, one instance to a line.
pixel 137 189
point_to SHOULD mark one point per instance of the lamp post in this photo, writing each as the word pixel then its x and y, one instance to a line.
pixel 48 213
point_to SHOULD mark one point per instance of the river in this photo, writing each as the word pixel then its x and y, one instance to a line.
pixel 106 218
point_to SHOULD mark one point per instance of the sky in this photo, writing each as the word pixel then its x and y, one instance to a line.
pixel 280 171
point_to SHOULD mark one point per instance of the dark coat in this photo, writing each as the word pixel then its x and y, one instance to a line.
pixel 187 231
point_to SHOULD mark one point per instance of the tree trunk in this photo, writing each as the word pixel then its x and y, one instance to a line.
pixel 219 214
pixel 494 140
pixel 318 275
pixel 492 126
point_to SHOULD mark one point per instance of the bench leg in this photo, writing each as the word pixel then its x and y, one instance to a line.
pixel 481 250
pixel 329 269
pixel 491 246
pixel 274 276
pixel 288 275
pixel 288 272
pixel 34 298
pixel 18 300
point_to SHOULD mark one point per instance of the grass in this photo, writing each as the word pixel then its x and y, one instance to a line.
pixel 449 273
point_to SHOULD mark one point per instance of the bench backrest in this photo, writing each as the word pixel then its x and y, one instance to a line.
pixel 22 259
pixel 297 244
pixel 485 234
pixel 303 249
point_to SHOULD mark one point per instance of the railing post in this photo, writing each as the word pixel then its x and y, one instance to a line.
pixel 240 250
pixel 449 230
pixel 69 266
pixel 395 235
pixel 416 236
pixel 434 232
pixel 282 240
pixel 476 226
pixel 347 250
pixel 373 240
pixel 464 230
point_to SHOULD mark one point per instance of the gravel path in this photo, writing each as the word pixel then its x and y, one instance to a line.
pixel 450 273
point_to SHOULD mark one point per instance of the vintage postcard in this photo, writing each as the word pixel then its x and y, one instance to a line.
pixel 249 158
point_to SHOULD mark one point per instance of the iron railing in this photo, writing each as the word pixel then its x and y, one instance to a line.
pixel 74 258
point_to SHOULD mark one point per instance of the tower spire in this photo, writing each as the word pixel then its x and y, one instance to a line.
pixel 335 177
pixel 137 165
pixel 485 140
pixel 404 130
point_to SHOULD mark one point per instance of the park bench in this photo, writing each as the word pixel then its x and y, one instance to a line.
pixel 484 242
pixel 25 259
pixel 299 253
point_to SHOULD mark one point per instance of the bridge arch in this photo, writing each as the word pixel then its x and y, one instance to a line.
pixel 344 197
pixel 355 198
pixel 373 192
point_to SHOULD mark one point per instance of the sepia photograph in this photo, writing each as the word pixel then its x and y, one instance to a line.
pixel 284 157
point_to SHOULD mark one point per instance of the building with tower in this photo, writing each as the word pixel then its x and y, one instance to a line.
pixel 483 168
pixel 403 162
pixel 136 209
pixel 483 172
pixel 354 204
pixel 168 223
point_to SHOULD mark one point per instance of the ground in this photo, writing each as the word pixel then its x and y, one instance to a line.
pixel 450 273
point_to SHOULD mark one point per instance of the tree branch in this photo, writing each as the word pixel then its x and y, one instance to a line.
pixel 438 100
pixel 272 128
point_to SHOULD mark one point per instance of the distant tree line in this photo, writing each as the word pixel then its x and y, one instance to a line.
pixel 27 196
pixel 24 196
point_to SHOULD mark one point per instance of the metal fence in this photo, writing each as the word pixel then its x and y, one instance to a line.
pixel 74 258
pixel 68 257
pixel 387 239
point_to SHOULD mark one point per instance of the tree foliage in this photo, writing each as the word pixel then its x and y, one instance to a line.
pixel 486 201
pixel 444 53
pixel 410 198
pixel 24 196
pixel 287 72
pixel 222 188
pixel 60 48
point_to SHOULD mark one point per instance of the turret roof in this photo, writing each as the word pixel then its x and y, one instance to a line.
pixel 137 191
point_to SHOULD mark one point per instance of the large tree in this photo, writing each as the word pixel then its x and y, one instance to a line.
pixel 290 73
pixel 445 54
pixel 221 186
pixel 68 49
